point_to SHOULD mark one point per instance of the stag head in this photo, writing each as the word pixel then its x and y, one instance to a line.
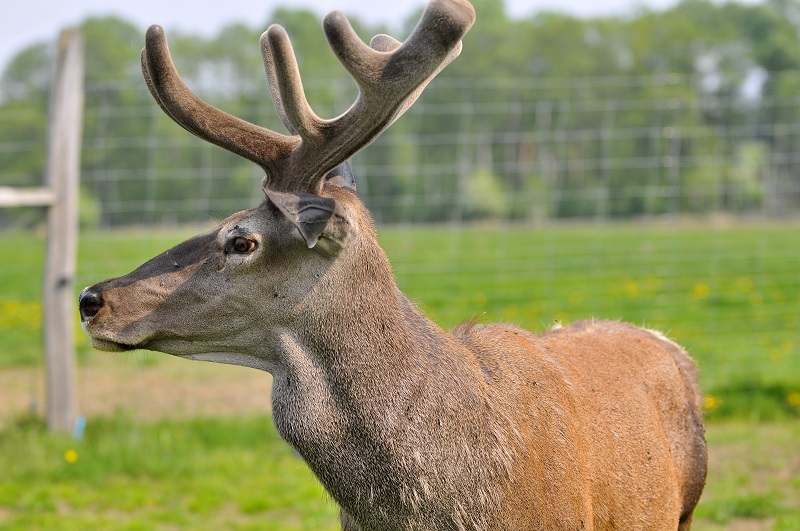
pixel 226 295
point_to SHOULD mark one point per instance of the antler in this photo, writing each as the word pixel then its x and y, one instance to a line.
pixel 390 76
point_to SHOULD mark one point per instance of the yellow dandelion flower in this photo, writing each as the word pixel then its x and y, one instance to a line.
pixel 793 398
pixel 710 403
pixel 70 456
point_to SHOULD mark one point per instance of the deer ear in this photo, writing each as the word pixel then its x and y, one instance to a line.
pixel 342 176
pixel 308 212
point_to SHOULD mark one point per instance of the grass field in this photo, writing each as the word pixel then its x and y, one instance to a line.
pixel 730 294
pixel 235 473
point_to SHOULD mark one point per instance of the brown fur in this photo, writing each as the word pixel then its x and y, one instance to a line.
pixel 594 426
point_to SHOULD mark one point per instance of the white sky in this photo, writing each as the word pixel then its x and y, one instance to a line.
pixel 23 22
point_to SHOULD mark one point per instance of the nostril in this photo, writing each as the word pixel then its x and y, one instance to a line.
pixel 90 304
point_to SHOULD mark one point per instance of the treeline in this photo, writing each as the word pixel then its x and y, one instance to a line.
pixel 693 109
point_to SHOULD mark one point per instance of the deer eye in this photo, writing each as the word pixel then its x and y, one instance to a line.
pixel 242 245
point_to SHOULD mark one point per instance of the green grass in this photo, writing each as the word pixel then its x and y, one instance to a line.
pixel 235 473
pixel 194 474
pixel 754 475
pixel 730 295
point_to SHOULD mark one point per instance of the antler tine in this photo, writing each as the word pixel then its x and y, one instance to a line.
pixel 283 76
pixel 380 43
pixel 438 32
pixel 387 43
pixel 389 78
pixel 272 81
pixel 152 89
pixel 266 148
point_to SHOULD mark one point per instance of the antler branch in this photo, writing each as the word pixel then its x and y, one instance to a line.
pixel 257 144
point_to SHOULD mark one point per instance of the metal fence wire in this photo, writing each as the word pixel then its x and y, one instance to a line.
pixel 529 154
pixel 528 150
pixel 520 150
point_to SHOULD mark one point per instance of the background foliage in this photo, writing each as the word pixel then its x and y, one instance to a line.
pixel 690 110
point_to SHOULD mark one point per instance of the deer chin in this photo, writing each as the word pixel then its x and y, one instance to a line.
pixel 179 348
pixel 190 350
pixel 112 346
pixel 110 341
pixel 187 349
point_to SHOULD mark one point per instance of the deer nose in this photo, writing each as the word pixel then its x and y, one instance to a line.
pixel 90 303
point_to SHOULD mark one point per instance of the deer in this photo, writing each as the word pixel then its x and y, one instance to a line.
pixel 596 425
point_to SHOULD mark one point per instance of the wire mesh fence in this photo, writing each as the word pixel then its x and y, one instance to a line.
pixel 522 150
pixel 651 199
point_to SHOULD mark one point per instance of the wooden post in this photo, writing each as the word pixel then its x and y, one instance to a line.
pixel 63 167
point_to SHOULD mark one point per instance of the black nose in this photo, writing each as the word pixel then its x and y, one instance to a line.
pixel 90 304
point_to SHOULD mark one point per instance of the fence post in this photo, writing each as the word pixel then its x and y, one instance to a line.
pixel 63 167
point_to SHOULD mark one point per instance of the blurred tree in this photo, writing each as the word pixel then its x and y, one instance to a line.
pixel 685 109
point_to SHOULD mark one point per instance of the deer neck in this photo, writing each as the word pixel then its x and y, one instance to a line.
pixel 354 380
pixel 363 359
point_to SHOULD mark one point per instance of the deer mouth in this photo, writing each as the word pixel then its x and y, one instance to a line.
pixel 101 343
pixel 112 346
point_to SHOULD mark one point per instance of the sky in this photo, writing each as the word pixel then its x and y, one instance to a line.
pixel 24 22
